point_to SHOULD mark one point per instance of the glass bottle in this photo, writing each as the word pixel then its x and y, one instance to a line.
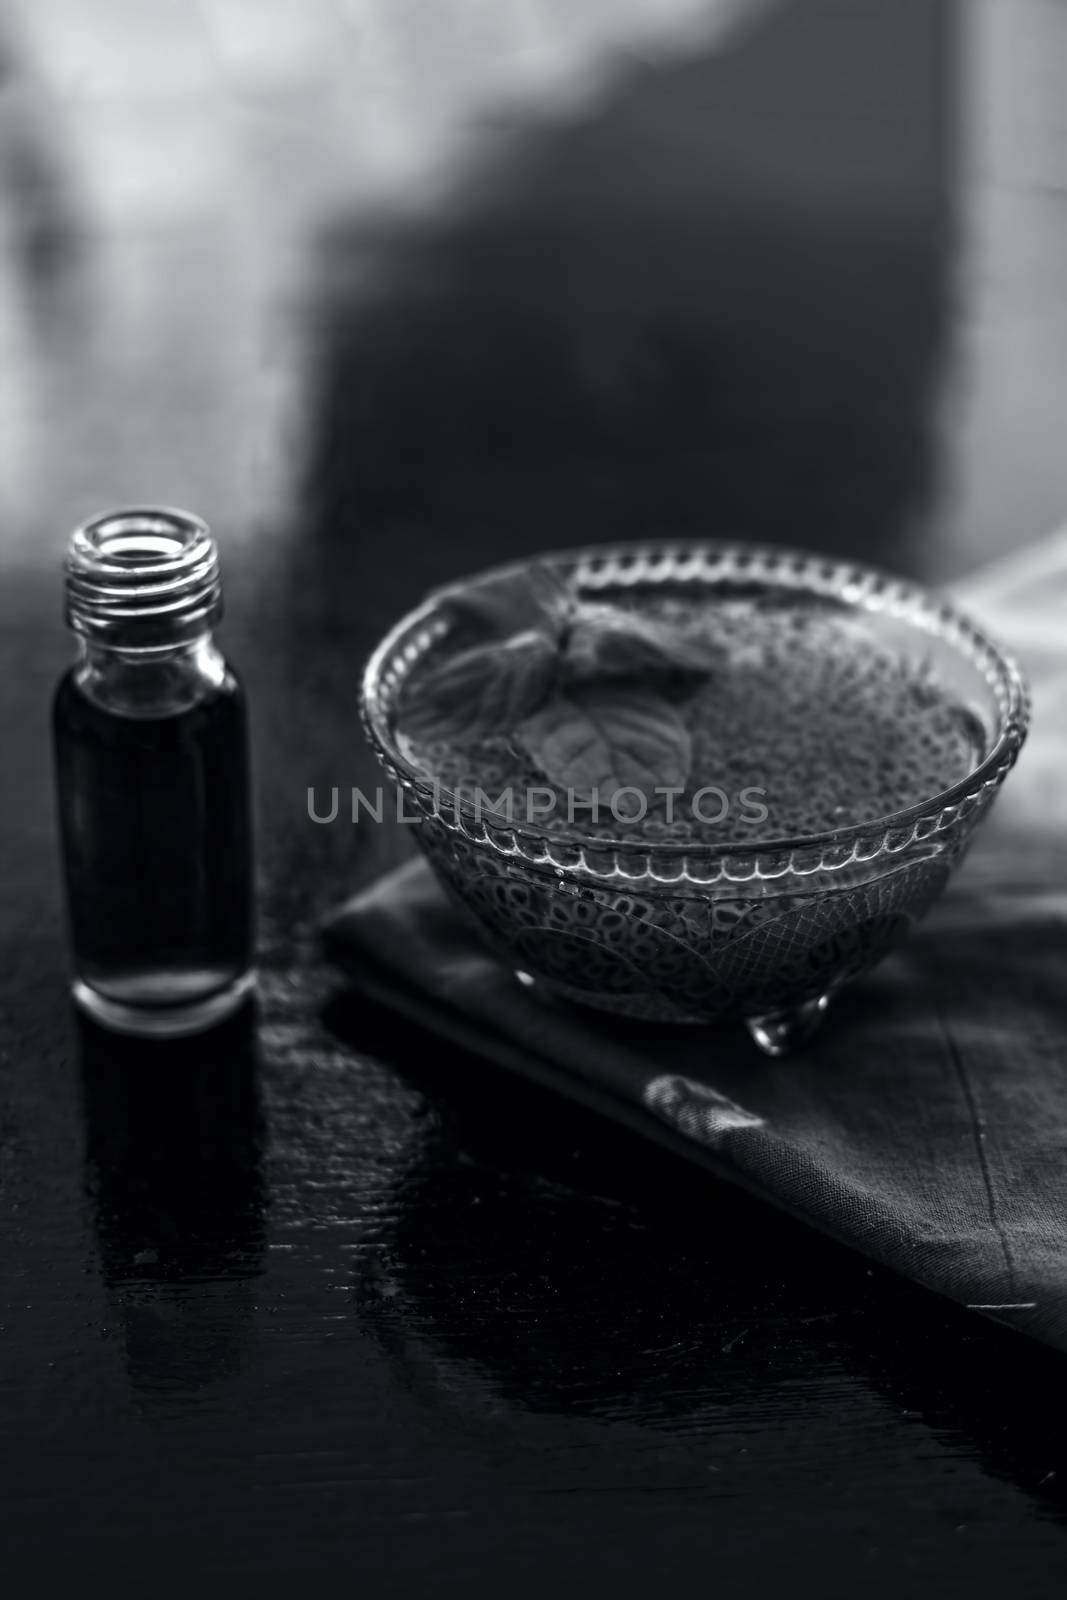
pixel 151 760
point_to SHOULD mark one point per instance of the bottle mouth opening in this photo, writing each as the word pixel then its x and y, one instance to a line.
pixel 143 577
pixel 140 537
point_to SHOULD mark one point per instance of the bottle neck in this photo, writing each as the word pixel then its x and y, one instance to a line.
pixel 143 594
pixel 149 683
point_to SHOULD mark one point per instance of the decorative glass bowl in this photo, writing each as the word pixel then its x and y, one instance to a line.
pixel 691 932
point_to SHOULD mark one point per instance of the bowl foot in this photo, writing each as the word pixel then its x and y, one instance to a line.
pixel 779 1032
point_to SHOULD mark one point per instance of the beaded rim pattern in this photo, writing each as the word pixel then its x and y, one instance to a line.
pixel 707 564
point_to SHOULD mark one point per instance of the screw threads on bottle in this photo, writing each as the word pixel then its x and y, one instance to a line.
pixel 142 578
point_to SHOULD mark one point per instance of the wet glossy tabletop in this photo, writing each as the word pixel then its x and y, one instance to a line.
pixel 317 1295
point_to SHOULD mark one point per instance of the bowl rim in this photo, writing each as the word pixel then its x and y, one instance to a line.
pixel 900 596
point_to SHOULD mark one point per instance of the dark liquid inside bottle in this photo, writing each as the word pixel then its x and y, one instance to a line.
pixel 155 821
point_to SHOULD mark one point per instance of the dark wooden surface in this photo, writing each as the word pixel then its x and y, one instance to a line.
pixel 315 1304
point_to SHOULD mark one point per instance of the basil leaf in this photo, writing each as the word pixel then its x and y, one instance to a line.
pixel 534 597
pixel 487 689
pixel 606 641
pixel 606 737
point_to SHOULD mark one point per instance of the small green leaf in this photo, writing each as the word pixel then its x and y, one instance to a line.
pixel 606 737
pixel 533 597
pixel 487 689
pixel 606 641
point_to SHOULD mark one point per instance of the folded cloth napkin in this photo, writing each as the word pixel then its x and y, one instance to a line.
pixel 927 1125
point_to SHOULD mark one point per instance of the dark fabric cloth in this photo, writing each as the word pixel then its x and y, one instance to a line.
pixel 926 1126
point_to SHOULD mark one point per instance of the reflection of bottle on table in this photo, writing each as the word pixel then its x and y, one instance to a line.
pixel 173 1167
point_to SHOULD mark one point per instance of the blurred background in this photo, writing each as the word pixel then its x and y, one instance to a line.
pixel 457 278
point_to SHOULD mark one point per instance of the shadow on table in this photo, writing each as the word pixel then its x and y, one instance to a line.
pixel 173 1150
pixel 545 1261
pixel 716 303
